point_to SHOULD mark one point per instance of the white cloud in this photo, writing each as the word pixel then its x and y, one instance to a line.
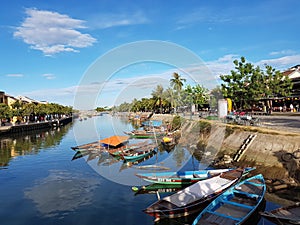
pixel 51 32
pixel 49 76
pixel 122 19
pixel 283 52
pixel 281 63
pixel 15 75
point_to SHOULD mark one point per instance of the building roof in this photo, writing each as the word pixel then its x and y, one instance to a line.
pixel 27 99
pixel 293 72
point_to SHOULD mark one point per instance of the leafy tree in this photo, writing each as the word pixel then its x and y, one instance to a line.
pixel 215 95
pixel 5 111
pixel 157 95
pixel 200 94
pixel 248 84
pixel 170 97
pixel 235 84
pixel 177 83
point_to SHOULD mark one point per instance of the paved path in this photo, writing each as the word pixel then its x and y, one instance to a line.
pixel 281 122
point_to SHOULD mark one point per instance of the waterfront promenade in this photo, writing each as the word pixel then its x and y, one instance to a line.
pixel 23 127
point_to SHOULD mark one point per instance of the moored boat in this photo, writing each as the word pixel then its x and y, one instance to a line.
pixel 235 205
pixel 143 134
pixel 289 215
pixel 184 177
pixel 139 153
pixel 181 177
pixel 193 198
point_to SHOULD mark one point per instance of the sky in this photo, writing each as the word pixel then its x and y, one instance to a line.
pixel 101 53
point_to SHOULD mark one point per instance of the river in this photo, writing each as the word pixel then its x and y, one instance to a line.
pixel 42 183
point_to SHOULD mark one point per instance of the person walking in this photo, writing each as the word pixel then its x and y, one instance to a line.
pixel 291 107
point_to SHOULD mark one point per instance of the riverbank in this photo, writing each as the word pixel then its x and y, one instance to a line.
pixel 269 147
pixel 19 128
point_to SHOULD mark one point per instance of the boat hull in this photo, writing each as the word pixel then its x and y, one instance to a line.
pixel 236 204
pixel 186 202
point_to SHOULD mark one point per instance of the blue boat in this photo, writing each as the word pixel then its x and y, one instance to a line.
pixel 235 205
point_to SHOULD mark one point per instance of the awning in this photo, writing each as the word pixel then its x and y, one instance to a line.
pixel 114 140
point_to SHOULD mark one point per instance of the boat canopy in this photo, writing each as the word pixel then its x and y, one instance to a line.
pixel 114 140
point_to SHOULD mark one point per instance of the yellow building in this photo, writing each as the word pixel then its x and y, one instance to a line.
pixel 7 99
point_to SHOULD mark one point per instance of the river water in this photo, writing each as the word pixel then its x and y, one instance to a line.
pixel 43 182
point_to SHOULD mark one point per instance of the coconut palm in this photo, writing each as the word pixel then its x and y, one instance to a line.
pixel 177 83
pixel 157 95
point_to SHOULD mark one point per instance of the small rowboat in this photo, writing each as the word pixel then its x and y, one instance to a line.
pixel 184 177
pixel 193 198
pixel 235 205
pixel 289 215
pixel 137 154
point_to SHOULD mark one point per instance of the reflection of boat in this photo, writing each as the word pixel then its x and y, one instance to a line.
pixel 104 159
pixel 181 177
pixel 193 198
pixel 80 154
pixel 127 164
pixel 285 215
pixel 236 204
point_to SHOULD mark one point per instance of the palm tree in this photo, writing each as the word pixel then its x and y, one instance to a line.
pixel 158 95
pixel 177 83
pixel 169 95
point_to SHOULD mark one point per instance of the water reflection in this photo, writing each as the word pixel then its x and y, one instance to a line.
pixel 29 143
pixel 62 191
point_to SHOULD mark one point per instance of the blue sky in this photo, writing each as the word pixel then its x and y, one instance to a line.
pixel 48 47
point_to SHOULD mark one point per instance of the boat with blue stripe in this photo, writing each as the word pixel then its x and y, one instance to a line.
pixel 235 205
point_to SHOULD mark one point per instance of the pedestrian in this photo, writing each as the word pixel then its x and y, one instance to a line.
pixel 291 107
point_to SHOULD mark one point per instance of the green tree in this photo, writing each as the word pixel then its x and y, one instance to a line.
pixel 170 97
pixel 157 95
pixel 215 95
pixel 5 111
pixel 248 84
pixel 177 83
pixel 200 94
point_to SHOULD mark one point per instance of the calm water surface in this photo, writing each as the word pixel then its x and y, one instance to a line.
pixel 41 184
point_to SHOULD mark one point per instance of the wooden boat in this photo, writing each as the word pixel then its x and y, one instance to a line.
pixel 235 205
pixel 143 134
pixel 130 163
pixel 110 142
pixel 158 188
pixel 184 177
pixel 193 198
pixel 126 149
pixel 113 145
pixel 139 153
pixel 289 215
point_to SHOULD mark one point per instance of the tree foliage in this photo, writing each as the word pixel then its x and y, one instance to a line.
pixel 248 84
